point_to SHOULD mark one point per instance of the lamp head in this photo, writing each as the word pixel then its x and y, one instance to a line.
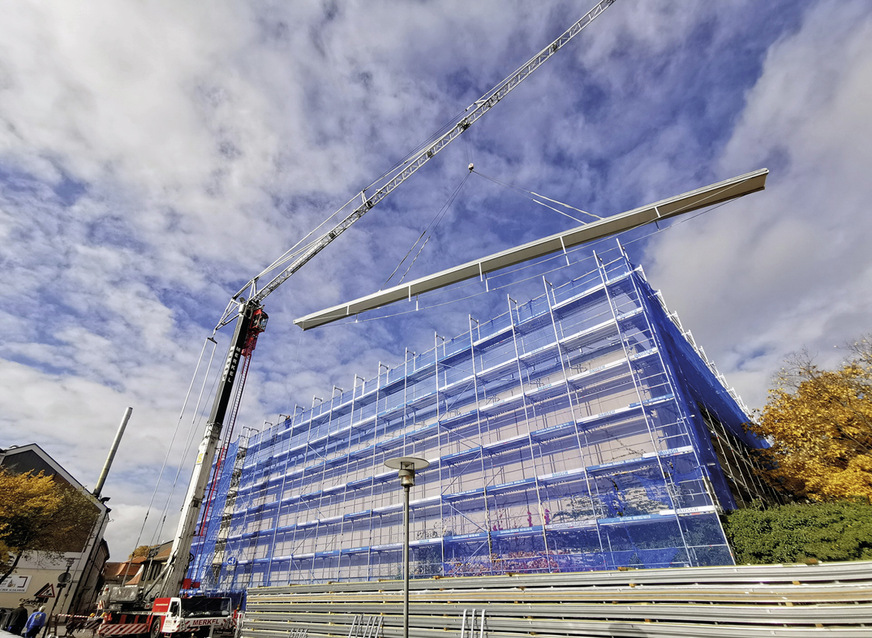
pixel 406 467
pixel 407 476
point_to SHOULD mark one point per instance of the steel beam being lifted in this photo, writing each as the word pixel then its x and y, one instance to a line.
pixel 664 209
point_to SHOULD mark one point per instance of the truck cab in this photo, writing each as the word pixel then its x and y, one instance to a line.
pixel 197 615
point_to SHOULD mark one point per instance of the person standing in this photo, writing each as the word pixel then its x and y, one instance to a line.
pixel 35 623
pixel 17 619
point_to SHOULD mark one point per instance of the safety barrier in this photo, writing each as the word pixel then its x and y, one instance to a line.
pixel 783 600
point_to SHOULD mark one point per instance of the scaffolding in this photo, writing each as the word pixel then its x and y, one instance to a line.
pixel 581 430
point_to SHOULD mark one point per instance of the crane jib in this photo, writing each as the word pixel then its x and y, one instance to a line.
pixel 391 180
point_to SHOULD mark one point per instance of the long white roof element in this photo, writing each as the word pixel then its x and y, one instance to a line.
pixel 664 209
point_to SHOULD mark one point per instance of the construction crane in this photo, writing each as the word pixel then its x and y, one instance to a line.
pixel 246 306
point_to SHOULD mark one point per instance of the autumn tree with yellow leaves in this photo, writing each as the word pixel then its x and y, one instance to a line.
pixel 140 552
pixel 820 425
pixel 38 513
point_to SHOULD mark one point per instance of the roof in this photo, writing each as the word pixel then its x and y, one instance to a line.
pixel 119 570
pixel 132 568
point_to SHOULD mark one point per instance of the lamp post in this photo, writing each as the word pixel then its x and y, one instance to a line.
pixel 407 465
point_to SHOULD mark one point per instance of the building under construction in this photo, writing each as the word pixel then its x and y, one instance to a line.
pixel 582 430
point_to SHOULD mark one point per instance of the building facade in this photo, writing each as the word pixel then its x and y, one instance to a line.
pixel 143 571
pixel 582 430
pixel 35 580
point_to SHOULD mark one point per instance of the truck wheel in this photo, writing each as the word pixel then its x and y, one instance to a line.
pixel 155 631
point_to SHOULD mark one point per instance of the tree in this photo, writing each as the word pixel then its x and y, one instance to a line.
pixel 820 425
pixel 5 558
pixel 140 552
pixel 40 514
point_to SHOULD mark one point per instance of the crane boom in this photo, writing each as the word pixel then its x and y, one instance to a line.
pixel 250 323
pixel 248 313
pixel 391 180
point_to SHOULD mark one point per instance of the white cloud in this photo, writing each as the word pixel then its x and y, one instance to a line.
pixel 153 157
pixel 787 268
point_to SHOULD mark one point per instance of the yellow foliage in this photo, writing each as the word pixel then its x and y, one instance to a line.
pixel 6 557
pixel 38 513
pixel 141 551
pixel 820 426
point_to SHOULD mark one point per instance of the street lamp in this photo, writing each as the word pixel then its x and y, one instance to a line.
pixel 407 465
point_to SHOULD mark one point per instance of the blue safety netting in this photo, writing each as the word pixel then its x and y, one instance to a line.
pixel 582 430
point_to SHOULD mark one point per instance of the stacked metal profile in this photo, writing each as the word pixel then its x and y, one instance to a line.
pixel 796 601
pixel 582 430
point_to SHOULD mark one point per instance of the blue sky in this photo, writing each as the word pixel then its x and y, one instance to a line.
pixel 154 157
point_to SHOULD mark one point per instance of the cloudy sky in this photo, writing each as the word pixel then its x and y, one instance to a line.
pixel 156 156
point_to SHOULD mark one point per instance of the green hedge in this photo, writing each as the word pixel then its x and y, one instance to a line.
pixel 800 533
